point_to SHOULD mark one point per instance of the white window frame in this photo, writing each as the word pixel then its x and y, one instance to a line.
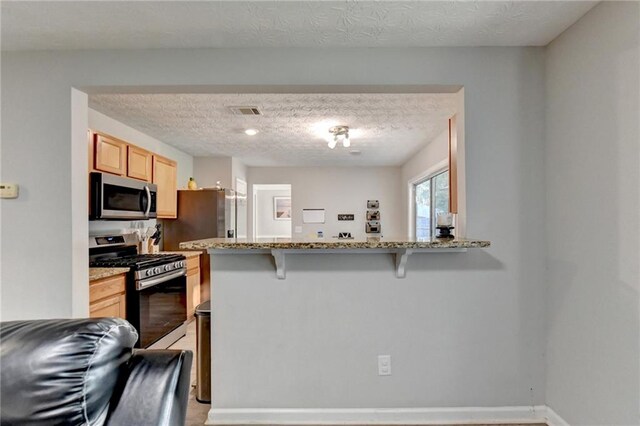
pixel 432 171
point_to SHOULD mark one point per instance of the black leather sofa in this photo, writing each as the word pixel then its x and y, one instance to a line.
pixel 85 372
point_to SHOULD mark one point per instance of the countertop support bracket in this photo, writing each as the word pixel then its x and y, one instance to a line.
pixel 278 256
pixel 402 255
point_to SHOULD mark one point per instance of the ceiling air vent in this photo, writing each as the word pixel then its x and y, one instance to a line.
pixel 245 110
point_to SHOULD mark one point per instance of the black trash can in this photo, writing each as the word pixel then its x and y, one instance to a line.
pixel 203 352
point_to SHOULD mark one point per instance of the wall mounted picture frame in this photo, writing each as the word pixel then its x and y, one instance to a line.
pixel 281 208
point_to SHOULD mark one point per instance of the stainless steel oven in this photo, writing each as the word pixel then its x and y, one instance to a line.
pixel 156 288
pixel 120 198
pixel 158 308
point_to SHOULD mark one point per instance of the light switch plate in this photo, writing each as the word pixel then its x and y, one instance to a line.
pixel 9 190
pixel 298 229
pixel 384 365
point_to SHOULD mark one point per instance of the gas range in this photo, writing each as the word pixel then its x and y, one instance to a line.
pixel 142 265
pixel 155 288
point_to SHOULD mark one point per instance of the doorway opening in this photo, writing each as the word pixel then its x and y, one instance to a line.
pixel 272 211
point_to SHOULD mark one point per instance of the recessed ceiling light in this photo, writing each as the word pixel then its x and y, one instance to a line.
pixel 251 132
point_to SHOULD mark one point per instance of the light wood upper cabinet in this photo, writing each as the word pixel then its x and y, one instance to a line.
pixel 139 163
pixel 110 155
pixel 165 176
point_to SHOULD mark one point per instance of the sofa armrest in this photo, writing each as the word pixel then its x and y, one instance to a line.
pixel 153 389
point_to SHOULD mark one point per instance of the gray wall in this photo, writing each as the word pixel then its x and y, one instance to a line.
pixel 593 218
pixel 209 170
pixel 338 190
pixel 500 290
pixel 266 225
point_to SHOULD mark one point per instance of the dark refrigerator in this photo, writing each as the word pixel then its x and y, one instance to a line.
pixel 203 213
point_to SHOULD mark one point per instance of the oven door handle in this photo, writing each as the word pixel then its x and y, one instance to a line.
pixel 142 284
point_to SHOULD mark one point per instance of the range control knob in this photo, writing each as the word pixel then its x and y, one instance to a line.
pixel 166 268
pixel 148 272
pixel 156 270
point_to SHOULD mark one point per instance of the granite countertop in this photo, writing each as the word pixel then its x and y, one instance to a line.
pixel 187 254
pixel 318 244
pixel 99 273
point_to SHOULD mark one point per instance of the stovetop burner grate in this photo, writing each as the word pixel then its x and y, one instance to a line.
pixel 135 261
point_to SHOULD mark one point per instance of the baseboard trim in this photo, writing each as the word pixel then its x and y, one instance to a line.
pixel 386 416
pixel 553 419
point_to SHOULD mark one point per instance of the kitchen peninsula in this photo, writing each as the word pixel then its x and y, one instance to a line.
pixel 279 247
pixel 340 302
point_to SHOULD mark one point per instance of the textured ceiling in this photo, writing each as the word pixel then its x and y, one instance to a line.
pixel 386 128
pixel 173 24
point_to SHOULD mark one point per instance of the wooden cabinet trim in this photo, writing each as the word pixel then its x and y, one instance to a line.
pixel 193 262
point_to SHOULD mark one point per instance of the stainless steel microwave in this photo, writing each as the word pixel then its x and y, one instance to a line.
pixel 120 198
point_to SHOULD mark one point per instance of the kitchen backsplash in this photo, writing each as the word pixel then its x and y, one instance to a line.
pixel 101 227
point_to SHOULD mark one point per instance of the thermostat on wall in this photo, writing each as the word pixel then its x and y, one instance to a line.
pixel 8 190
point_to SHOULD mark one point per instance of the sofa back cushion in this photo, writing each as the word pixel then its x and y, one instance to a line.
pixel 61 371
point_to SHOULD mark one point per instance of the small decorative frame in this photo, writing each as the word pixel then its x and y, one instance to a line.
pixel 281 208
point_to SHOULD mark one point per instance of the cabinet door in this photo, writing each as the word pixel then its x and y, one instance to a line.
pixel 110 155
pixel 113 306
pixel 165 176
pixel 106 287
pixel 193 291
pixel 138 163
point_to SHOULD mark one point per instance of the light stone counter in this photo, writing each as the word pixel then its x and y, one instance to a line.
pixel 99 273
pixel 330 244
pixel 185 253
pixel 280 248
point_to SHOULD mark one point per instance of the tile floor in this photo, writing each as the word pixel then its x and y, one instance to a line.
pixel 196 411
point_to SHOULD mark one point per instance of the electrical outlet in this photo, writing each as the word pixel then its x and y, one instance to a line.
pixel 298 230
pixel 384 365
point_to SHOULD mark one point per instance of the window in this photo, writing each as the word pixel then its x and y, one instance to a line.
pixel 431 198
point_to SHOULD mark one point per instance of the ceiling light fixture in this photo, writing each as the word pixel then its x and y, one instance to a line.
pixel 340 134
pixel 251 132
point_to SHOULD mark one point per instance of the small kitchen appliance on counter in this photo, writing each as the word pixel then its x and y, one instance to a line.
pixel 156 288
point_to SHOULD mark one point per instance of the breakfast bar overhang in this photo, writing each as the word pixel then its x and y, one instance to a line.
pixel 281 248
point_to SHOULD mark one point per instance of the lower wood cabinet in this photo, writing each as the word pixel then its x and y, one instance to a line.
pixel 107 297
pixel 193 286
pixel 114 306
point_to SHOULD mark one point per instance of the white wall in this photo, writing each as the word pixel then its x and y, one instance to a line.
pixel 435 153
pixel 338 190
pixel 266 225
pixel 238 171
pixel 499 289
pixel 593 218
pixel 103 123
